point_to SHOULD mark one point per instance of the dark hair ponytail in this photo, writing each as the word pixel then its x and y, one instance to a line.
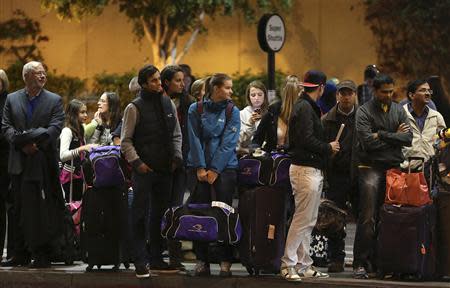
pixel 218 80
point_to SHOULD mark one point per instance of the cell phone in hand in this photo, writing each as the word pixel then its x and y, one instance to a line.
pixel 258 110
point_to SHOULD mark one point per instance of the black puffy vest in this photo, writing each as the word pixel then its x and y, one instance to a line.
pixel 153 133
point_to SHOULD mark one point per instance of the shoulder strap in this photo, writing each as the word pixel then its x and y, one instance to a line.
pixel 200 107
pixel 229 111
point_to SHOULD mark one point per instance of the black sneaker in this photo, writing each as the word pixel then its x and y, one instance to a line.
pixel 176 265
pixel 335 267
pixel 162 267
pixel 39 263
pixel 142 271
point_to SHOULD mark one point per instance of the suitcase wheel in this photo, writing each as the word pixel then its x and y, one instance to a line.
pixel 127 265
pixel 89 268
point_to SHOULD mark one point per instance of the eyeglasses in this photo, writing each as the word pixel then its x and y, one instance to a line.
pixel 40 73
pixel 425 90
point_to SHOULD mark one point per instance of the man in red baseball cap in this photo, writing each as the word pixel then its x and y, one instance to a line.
pixel 309 152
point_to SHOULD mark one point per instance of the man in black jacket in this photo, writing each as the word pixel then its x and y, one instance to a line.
pixel 309 152
pixel 151 143
pixel 382 128
pixel 37 197
pixel 339 166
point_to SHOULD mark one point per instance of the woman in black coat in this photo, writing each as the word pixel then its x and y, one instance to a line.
pixel 273 131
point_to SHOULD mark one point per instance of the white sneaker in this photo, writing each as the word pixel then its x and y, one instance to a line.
pixel 290 274
pixel 312 272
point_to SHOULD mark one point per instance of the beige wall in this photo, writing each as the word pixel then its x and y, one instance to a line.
pixel 322 34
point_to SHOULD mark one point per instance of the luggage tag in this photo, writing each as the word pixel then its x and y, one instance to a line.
pixel 271 232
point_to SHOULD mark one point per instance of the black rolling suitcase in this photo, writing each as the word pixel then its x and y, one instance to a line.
pixel 102 226
pixel 407 241
pixel 263 216
pixel 443 232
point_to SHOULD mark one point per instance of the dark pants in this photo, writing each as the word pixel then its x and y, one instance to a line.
pixel 151 196
pixel 372 187
pixel 178 189
pixel 338 191
pixel 224 187
pixel 6 203
pixel 20 250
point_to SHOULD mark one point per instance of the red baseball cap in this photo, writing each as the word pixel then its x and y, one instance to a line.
pixel 314 78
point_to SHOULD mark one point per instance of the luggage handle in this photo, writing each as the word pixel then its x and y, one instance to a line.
pixel 72 169
pixel 422 159
pixel 212 191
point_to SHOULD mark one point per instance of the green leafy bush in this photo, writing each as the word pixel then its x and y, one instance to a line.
pixel 114 82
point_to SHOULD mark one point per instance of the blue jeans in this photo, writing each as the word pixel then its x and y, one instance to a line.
pixel 224 186
pixel 372 188
pixel 152 192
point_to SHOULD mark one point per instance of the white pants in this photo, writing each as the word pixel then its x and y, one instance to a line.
pixel 307 183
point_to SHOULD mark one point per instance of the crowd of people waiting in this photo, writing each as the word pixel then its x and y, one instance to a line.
pixel 180 132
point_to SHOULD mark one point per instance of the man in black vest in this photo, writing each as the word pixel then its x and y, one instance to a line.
pixel 151 143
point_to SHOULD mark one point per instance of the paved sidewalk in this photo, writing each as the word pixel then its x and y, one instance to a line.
pixel 61 276
pixel 75 277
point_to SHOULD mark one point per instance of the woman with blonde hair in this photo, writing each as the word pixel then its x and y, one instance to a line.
pixel 198 89
pixel 272 132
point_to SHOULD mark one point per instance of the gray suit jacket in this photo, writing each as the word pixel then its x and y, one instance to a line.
pixel 48 114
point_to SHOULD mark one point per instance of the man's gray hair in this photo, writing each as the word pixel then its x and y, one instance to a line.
pixel 29 67
pixel 134 86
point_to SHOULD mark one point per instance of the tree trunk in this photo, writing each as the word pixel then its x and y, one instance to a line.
pixel 164 42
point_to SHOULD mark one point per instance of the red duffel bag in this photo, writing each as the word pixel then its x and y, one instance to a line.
pixel 407 188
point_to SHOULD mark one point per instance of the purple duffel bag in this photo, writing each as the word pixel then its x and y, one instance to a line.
pixel 106 162
pixel 268 169
pixel 215 222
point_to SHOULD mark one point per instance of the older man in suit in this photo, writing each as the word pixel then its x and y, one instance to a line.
pixel 32 121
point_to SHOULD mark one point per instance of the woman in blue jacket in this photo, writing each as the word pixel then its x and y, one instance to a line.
pixel 213 132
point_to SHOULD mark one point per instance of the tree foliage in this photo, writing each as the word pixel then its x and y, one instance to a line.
pixel 113 82
pixel 19 36
pixel 413 36
pixel 163 22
